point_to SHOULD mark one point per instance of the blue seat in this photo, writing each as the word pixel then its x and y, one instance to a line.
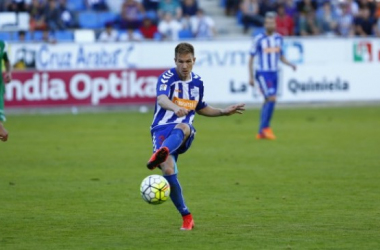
pixel 36 35
pixel 28 36
pixel 76 5
pixel 89 20
pixel 105 17
pixel 5 36
pixel 157 36
pixel 239 17
pixel 257 30
pixel 64 36
pixel 185 34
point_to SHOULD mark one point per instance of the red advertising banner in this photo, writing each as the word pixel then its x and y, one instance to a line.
pixel 67 88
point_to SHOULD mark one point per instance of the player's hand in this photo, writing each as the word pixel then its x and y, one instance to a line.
pixel 3 133
pixel 251 82
pixel 234 109
pixel 7 77
pixel 181 111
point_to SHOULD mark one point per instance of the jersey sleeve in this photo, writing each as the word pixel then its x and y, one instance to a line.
pixel 201 104
pixel 163 86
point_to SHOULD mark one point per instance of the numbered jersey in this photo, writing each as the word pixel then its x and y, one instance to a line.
pixel 186 94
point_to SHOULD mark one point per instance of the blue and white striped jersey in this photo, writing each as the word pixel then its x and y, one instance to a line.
pixel 186 94
pixel 268 50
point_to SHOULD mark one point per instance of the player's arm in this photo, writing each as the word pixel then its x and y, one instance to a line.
pixel 250 70
pixel 286 62
pixel 230 110
pixel 7 74
pixel 166 103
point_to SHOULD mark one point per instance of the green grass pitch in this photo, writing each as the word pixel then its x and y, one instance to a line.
pixel 72 182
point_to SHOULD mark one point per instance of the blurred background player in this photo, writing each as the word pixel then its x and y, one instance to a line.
pixel 4 78
pixel 179 96
pixel 268 49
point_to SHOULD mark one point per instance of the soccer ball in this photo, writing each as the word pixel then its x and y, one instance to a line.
pixel 155 189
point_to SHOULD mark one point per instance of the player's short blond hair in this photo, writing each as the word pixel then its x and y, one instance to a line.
pixel 184 48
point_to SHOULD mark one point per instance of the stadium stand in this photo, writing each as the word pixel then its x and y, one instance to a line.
pixel 296 17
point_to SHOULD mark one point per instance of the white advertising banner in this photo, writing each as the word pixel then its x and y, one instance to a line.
pixel 328 69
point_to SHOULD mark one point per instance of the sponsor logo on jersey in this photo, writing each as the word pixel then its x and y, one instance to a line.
pixel 163 87
pixel 184 103
pixel 272 50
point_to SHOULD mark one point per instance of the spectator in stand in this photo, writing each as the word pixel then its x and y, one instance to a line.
pixel 37 16
pixel 307 24
pixel 306 6
pixel 186 23
pixel 367 4
pixel 151 5
pixel 365 24
pixel 151 8
pixel 169 27
pixel 97 5
pixel 203 27
pixel 250 10
pixel 109 34
pixel 47 37
pixel 53 16
pixel 17 5
pixel 290 8
pixel 148 29
pixel 231 7
pixel 189 7
pixel 284 22
pixel 132 13
pixel 170 6
pixel 378 28
pixel 67 16
pixel 327 19
pixel 377 10
pixel 345 21
pixel 131 36
pixel 267 6
pixel 21 36
pixel 353 7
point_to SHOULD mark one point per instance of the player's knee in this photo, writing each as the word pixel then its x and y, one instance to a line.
pixel 271 98
pixel 185 128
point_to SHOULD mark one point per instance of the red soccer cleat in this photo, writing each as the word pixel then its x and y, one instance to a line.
pixel 158 157
pixel 188 222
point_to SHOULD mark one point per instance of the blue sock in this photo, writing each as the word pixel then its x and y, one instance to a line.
pixel 176 194
pixel 174 140
pixel 270 109
pixel 263 116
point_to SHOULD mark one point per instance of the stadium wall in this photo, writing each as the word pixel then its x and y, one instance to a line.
pixel 49 75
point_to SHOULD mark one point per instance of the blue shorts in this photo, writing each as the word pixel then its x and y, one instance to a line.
pixel 267 82
pixel 160 133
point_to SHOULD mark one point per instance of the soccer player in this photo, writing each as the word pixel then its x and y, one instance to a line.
pixel 268 49
pixel 4 78
pixel 179 97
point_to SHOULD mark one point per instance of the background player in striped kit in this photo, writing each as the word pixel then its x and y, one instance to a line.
pixel 267 47
pixel 179 97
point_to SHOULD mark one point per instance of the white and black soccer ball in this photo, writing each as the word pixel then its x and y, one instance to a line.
pixel 155 189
